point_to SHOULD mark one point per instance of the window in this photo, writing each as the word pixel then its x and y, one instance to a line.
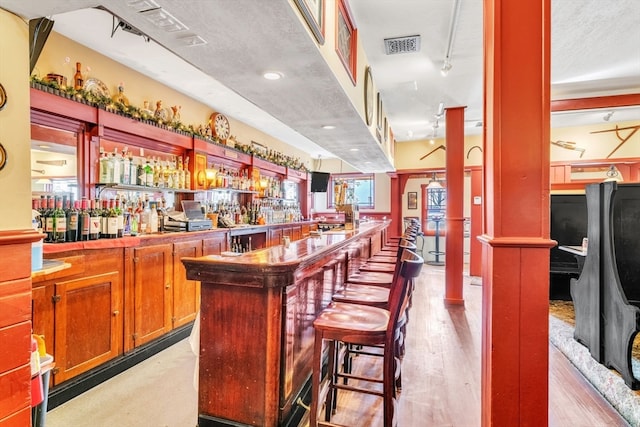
pixel 436 206
pixel 360 189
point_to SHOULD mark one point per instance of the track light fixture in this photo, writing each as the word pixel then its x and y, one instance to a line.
pixel 446 66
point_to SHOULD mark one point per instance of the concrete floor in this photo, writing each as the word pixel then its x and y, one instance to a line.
pixel 166 397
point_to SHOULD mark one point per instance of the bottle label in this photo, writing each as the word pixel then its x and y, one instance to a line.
pixel 48 224
pixel 112 225
pixel 60 224
pixel 73 222
pixel 94 228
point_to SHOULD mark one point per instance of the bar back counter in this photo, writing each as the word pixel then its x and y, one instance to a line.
pixel 256 323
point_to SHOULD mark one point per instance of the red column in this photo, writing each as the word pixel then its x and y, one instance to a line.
pixel 454 239
pixel 516 188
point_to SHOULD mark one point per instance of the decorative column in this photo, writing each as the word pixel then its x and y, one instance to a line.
pixel 515 311
pixel 454 236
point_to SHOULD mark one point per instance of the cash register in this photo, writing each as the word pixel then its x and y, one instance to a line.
pixel 192 218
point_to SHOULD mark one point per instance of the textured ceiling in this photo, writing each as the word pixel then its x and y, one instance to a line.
pixel 595 52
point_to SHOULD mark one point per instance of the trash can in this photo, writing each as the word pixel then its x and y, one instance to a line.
pixel 39 412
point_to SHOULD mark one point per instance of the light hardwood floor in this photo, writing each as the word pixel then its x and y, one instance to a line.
pixel 441 379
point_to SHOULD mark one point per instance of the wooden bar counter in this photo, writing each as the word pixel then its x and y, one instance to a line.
pixel 256 324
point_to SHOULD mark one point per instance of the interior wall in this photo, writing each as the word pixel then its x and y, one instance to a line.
pixel 15 183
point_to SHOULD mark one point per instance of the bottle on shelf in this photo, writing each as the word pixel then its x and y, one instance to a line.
pixel 94 218
pixel 72 222
pixel 120 217
pixel 78 80
pixel 84 220
pixel 59 223
pixel 48 219
pixel 112 220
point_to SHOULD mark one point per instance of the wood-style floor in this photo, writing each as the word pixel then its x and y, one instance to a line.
pixel 441 379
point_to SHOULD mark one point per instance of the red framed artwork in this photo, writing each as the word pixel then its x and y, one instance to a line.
pixel 346 39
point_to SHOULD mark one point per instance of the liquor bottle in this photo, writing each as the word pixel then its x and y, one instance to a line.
pixel 72 222
pixel 78 80
pixel 181 175
pixel 48 219
pixel 187 174
pixel 153 217
pixel 105 168
pixel 84 220
pixel 59 223
pixel 148 170
pixel 104 219
pixel 120 216
pixel 94 218
pixel 126 168
pixel 112 220
pixel 116 162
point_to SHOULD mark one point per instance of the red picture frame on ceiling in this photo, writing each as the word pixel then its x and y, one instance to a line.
pixel 346 39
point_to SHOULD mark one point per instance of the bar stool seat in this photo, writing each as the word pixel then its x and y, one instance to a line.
pixel 374 296
pixel 371 278
pixel 376 267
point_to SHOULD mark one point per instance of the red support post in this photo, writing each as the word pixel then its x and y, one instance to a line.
pixel 515 311
pixel 454 240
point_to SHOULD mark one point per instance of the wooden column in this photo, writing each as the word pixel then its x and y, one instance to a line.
pixel 454 240
pixel 516 244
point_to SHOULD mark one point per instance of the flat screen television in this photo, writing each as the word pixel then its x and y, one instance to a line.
pixel 319 182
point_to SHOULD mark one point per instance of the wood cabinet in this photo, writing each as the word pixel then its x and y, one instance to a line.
pixel 186 293
pixel 88 323
pixel 153 293
pixel 215 244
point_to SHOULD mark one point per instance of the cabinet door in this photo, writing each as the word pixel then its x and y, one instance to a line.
pixel 152 283
pixel 275 237
pixel 214 245
pixel 186 293
pixel 88 323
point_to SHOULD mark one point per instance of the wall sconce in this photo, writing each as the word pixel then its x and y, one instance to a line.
pixel 206 176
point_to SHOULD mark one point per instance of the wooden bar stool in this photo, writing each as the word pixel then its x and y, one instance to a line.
pixel 381 277
pixel 354 324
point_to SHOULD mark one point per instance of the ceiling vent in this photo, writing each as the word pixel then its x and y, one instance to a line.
pixel 405 44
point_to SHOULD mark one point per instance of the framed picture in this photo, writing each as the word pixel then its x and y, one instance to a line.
pixel 368 96
pixel 412 200
pixel 313 13
pixel 346 39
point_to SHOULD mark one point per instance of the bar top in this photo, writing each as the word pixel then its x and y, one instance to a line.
pixel 255 268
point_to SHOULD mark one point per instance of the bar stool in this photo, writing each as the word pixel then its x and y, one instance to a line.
pixel 380 278
pixel 361 325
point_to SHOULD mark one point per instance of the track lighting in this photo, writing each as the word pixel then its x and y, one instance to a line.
pixel 446 66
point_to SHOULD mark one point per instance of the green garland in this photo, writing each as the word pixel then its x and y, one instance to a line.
pixel 106 103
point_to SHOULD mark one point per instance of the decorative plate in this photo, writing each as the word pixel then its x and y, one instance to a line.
pixel 3 157
pixel 368 96
pixel 3 97
pixel 96 87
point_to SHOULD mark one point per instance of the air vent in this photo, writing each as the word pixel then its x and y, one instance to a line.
pixel 406 44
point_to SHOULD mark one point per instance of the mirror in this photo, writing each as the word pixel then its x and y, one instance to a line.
pixel 53 169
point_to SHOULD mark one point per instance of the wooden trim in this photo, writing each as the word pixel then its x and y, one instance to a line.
pixel 596 102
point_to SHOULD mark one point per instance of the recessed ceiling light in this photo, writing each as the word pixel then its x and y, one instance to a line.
pixel 272 75
pixel 354 149
pixel 328 127
pixel 44 146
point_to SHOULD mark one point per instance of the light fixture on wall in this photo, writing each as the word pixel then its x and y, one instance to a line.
pixel 613 174
pixel 434 183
